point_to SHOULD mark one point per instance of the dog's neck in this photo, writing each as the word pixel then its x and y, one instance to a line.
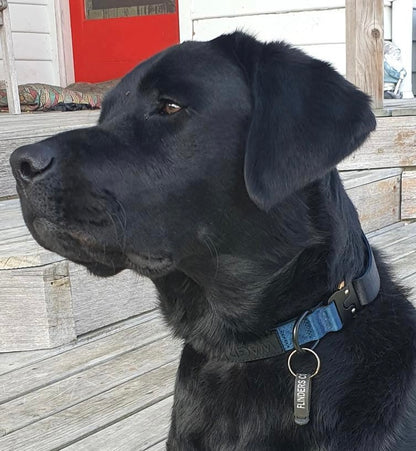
pixel 226 298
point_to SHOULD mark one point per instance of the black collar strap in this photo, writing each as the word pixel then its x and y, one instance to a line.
pixel 341 307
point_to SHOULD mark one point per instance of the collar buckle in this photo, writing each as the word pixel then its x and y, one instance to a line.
pixel 346 301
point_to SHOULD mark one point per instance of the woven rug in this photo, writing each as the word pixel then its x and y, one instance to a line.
pixel 43 97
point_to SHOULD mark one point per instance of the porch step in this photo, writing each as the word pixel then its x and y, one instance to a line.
pixel 47 301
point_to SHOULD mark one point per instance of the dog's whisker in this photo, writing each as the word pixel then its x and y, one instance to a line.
pixel 123 223
pixel 214 253
pixel 111 216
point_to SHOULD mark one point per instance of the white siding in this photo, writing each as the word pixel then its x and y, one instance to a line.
pixel 34 41
pixel 316 26
pixel 310 30
pixel 220 8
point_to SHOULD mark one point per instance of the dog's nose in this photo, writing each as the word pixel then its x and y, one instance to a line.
pixel 31 161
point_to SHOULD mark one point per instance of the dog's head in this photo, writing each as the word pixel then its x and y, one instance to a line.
pixel 189 144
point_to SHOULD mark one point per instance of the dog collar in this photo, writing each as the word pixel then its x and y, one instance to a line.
pixel 340 309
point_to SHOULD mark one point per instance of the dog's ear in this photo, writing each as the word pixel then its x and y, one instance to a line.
pixel 306 118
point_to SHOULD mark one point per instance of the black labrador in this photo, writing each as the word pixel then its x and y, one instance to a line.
pixel 212 171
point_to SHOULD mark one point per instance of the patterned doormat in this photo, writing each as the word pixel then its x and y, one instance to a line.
pixel 43 97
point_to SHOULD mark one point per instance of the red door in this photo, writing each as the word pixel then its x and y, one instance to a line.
pixel 110 37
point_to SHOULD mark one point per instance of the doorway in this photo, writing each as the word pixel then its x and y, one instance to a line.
pixel 110 37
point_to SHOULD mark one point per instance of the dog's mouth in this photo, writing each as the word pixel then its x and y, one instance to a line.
pixel 78 246
pixel 99 258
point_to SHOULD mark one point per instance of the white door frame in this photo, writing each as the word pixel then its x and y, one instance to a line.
pixel 63 39
pixel 402 24
pixel 185 20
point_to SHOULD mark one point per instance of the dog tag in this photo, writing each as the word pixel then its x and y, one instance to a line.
pixel 302 398
pixel 303 386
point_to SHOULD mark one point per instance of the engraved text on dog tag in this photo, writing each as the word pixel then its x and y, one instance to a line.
pixel 302 398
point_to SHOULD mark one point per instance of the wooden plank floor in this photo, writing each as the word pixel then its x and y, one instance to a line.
pixel 112 390
pixel 51 399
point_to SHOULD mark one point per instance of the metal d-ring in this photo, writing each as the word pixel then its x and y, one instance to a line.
pixel 295 332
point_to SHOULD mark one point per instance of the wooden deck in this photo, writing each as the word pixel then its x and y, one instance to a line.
pixel 112 390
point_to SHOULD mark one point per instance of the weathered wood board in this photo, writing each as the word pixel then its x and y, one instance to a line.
pixel 388 237
pixel 11 361
pixel 161 446
pixel 19 252
pixel 364 39
pixel 98 302
pixel 376 196
pixel 392 145
pixel 67 362
pixel 398 107
pixel 409 194
pixel 152 389
pixel 137 432
pixel 404 266
pixel 35 306
pixel 353 179
pixel 15 415
pixel 17 248
pixel 64 398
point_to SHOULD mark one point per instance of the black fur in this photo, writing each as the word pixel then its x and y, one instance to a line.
pixel 234 208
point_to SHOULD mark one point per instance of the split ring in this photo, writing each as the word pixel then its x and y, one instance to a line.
pixel 318 361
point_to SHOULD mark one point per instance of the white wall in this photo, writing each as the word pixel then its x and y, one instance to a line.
pixel 34 41
pixel 316 26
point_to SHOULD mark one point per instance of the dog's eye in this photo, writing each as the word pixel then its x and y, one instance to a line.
pixel 169 107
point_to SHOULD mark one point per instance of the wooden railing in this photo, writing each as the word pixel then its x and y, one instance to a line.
pixel 365 41
pixel 8 59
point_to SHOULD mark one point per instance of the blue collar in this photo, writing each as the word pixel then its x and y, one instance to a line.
pixel 341 307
